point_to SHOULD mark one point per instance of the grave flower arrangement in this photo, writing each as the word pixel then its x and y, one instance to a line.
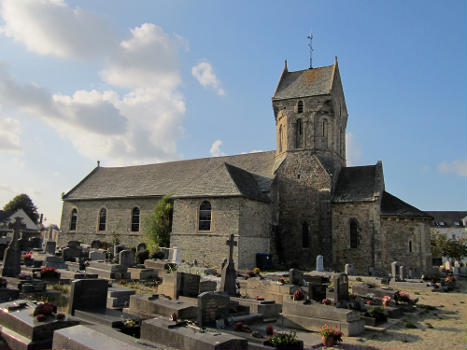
pixel 402 297
pixel 450 279
pixel 43 310
pixel 284 280
pixel 256 271
pixel 284 341
pixel 326 301
pixel 386 300
pixel 298 295
pixel 49 273
pixel 27 256
pixel 330 336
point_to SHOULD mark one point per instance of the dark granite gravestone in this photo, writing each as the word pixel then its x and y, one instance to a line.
pixel 229 274
pixel 126 258
pixel 317 286
pixel 296 277
pixel 21 330
pixel 188 284
pixel 96 244
pixel 140 247
pixel 35 242
pixel 117 249
pixel 88 294
pixel 212 306
pixel 50 247
pixel 55 261
pixel 12 258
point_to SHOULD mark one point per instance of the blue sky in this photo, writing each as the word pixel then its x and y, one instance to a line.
pixel 140 82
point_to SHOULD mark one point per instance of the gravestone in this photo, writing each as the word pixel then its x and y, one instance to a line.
pixel 74 244
pixel 50 247
pixel 126 258
pixel 188 284
pixel 87 295
pixel 55 261
pixel 119 297
pixel 447 265
pixel 96 244
pixel 319 263
pixel 212 306
pixel 97 255
pixel 117 249
pixel 229 274
pixel 348 269
pixel 296 277
pixel 35 242
pixel 141 247
pixel 317 286
pixel 207 286
pixel 394 270
pixel 402 273
pixel 174 255
pixel 340 290
pixel 12 258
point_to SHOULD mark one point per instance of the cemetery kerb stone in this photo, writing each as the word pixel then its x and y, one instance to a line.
pixel 12 257
pixel 149 306
pixel 21 330
pixel 229 274
pixel 296 314
pixel 161 331
pixel 212 306
pixel 94 337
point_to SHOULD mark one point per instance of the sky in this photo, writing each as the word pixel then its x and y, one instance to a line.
pixel 137 82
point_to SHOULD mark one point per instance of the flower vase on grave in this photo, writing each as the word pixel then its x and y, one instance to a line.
pixel 328 342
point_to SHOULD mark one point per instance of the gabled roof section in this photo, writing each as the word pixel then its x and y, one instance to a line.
pixel 448 218
pixel 393 206
pixel 304 83
pixel 359 184
pixel 206 176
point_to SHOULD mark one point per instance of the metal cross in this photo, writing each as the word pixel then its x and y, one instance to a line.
pixel 231 243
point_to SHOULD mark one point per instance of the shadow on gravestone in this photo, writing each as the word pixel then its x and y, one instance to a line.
pixel 88 295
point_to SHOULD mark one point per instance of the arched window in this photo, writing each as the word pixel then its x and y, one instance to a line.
pixel 280 138
pixel 205 216
pixel 102 219
pixel 298 133
pixel 353 234
pixel 300 107
pixel 324 132
pixel 305 236
pixel 410 246
pixel 135 219
pixel 73 219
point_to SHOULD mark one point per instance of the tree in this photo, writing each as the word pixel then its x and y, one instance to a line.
pixel 22 201
pixel 159 225
pixel 441 246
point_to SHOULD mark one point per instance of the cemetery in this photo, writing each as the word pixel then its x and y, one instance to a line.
pixel 87 297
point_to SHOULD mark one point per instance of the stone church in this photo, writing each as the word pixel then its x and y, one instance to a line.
pixel 295 203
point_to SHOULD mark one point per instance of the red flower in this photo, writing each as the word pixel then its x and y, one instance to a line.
pixel 40 317
pixel 269 330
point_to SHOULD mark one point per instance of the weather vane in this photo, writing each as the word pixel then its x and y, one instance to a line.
pixel 310 45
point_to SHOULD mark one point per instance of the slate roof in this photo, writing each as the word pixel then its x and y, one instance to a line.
pixel 303 83
pixel 393 206
pixel 448 217
pixel 356 184
pixel 249 175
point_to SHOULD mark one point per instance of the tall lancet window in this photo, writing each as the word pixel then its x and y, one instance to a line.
pixel 280 138
pixel 300 107
pixel 298 134
pixel 324 132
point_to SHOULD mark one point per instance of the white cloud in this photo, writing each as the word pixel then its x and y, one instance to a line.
pixel 50 27
pixel 143 125
pixel 215 149
pixel 10 130
pixel 204 73
pixel 7 188
pixel 354 153
pixel 253 151
pixel 458 167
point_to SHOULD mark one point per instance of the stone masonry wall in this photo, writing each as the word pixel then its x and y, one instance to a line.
pixel 248 220
pixel 118 220
pixel 368 253
pixel 397 233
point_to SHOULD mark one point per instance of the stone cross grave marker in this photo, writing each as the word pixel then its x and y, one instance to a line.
pixel 319 263
pixel 212 306
pixel 12 256
pixel 229 274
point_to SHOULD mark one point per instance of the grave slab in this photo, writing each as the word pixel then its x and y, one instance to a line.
pixel 269 309
pixel 20 329
pixel 148 306
pixel 157 331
